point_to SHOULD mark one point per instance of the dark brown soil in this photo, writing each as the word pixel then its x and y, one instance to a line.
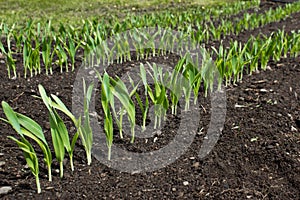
pixel 256 157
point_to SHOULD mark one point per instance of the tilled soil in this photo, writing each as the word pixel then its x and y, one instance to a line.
pixel 256 157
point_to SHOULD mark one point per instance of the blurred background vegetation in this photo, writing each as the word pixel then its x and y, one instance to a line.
pixel 73 12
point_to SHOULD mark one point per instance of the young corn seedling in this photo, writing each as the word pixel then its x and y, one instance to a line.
pixel 18 37
pixel 27 51
pixel 267 50
pixel 278 46
pixel 159 95
pixel 248 57
pixel 243 56
pixel 57 129
pixel 46 52
pixel 237 59
pixel 70 45
pixel 126 47
pixel 175 86
pixel 30 157
pixel 283 39
pixel 119 90
pixel 207 73
pixel 52 45
pixel 11 62
pixel 119 48
pixel 84 131
pixel 144 108
pixel 295 43
pixel 3 51
pixel 62 57
pixel 120 113
pixel 25 126
pixel 36 52
pixel 35 60
pixel 106 98
pixel 59 132
pixel 71 49
pixel 220 60
pixel 254 54
pixel 31 129
pixel 103 53
pixel 189 75
pixel 89 46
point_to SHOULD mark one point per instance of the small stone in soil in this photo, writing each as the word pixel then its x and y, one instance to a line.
pixel 263 90
pixel 5 189
pixel 196 164
pixel 180 194
pixel 185 183
pixel 293 129
pixel 2 163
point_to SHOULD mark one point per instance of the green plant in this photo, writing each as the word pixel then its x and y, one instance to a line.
pixel 106 99
pixel 144 107
pixel 175 86
pixel 46 52
pixel 119 90
pixel 62 57
pixel 11 62
pixel 59 132
pixel 25 126
pixel 159 95
pixel 85 130
pixel 30 157
pixel 186 82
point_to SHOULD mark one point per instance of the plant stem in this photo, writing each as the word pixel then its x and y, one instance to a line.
pixel 49 173
pixel 71 162
pixel 159 120
pixel 61 169
pixel 89 157
pixel 132 133
pixel 121 120
pixel 109 153
pixel 143 128
pixel 38 185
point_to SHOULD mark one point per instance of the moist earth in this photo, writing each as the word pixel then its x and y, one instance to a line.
pixel 256 157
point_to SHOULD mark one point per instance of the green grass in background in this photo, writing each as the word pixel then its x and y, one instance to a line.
pixel 65 11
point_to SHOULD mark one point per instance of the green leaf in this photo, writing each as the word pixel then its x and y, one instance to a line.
pixel 31 126
pixel 45 98
pixel 120 91
pixel 29 154
pixel 106 95
pixel 74 140
pixel 11 116
pixel 143 74
pixel 57 141
pixel 61 106
pixel 63 132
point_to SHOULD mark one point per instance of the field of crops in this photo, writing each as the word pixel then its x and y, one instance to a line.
pixel 71 102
